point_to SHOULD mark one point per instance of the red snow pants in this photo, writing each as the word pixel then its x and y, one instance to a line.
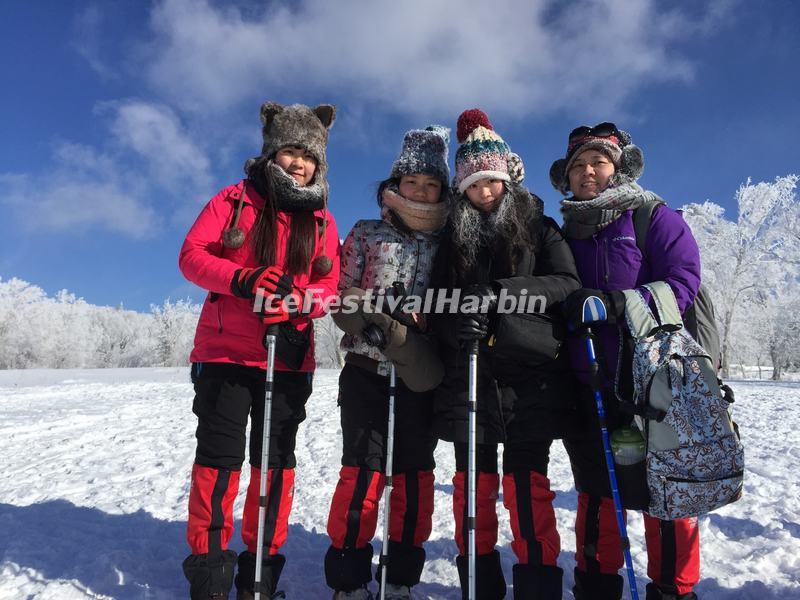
pixel 526 495
pixel 673 547
pixel 226 396
pixel 352 521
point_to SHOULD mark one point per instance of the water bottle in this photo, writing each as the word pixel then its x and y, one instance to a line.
pixel 627 445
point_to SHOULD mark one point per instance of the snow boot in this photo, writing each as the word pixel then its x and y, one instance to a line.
pixel 489 581
pixel 656 593
pixel 404 566
pixel 348 568
pixel 361 593
pixel 271 567
pixel 537 582
pixel 396 592
pixel 209 579
pixel 597 586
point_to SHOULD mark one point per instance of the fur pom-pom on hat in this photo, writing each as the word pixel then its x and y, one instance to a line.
pixel 483 154
pixel 469 120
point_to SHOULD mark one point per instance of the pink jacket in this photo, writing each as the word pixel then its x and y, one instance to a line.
pixel 228 330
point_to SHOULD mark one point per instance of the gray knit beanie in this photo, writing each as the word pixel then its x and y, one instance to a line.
pixel 424 151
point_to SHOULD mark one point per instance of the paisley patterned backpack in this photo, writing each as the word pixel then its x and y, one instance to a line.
pixel 695 460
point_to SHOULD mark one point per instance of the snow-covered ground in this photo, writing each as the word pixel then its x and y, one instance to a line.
pixel 95 480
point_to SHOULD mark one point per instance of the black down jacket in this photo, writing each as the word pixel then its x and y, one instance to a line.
pixel 518 396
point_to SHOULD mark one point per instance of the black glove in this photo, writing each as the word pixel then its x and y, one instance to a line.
pixel 487 295
pixel 572 307
pixel 472 327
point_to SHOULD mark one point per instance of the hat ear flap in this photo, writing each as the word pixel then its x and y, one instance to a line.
pixel 558 176
pixel 326 113
pixel 268 112
pixel 632 161
pixel 516 168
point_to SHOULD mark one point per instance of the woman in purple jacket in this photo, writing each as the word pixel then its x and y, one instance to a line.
pixel 600 171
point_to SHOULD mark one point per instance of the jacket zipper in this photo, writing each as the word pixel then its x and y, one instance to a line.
pixel 219 316
pixel 605 259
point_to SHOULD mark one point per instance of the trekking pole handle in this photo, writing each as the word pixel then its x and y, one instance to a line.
pixel 593 311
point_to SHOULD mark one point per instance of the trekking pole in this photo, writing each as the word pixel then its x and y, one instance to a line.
pixel 594 310
pixel 272 331
pixel 387 490
pixel 472 408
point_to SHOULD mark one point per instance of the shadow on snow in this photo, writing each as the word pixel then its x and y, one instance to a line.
pixel 137 556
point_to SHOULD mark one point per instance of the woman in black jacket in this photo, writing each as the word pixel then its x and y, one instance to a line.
pixel 500 248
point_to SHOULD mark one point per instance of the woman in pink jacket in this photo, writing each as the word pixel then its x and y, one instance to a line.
pixel 255 244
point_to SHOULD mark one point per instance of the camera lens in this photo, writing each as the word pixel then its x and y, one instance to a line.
pixel 373 336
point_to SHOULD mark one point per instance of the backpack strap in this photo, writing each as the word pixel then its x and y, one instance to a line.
pixel 642 217
pixel 641 321
pixel 668 312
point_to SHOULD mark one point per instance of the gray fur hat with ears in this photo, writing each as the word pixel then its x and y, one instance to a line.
pixel 297 125
pixel 627 158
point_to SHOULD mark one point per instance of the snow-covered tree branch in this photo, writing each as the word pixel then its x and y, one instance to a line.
pixel 751 266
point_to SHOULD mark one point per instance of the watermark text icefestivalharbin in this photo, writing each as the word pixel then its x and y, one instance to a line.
pixel 434 301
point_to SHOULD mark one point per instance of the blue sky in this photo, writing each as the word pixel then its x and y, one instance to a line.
pixel 120 120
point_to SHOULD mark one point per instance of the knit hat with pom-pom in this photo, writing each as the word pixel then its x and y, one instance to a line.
pixel 483 154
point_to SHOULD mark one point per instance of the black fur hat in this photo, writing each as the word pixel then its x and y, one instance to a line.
pixel 627 158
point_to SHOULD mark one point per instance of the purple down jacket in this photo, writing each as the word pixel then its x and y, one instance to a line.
pixel 610 260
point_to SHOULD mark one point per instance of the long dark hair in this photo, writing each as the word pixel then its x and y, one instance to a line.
pixel 505 249
pixel 302 227
pixel 390 182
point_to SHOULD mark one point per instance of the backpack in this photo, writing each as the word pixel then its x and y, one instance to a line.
pixel 699 317
pixel 694 458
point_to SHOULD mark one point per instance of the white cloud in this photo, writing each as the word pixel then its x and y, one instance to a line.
pixel 150 166
pixel 88 25
pixel 81 191
pixel 156 134
pixel 526 57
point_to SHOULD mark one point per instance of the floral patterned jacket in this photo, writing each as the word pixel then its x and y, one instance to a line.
pixel 378 253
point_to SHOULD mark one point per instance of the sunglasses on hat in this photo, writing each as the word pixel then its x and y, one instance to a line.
pixel 584 132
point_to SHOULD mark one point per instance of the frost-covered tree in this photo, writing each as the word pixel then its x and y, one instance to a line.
pixel 754 260
pixel 174 325
pixel 22 341
pixel 327 336
pixel 64 331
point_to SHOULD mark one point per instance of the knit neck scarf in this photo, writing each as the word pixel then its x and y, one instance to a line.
pixel 584 218
pixel 289 196
pixel 417 216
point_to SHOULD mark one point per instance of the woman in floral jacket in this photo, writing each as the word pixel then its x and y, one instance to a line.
pixel 381 260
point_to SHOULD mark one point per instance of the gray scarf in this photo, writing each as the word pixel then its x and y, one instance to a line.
pixel 584 218
pixel 290 196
